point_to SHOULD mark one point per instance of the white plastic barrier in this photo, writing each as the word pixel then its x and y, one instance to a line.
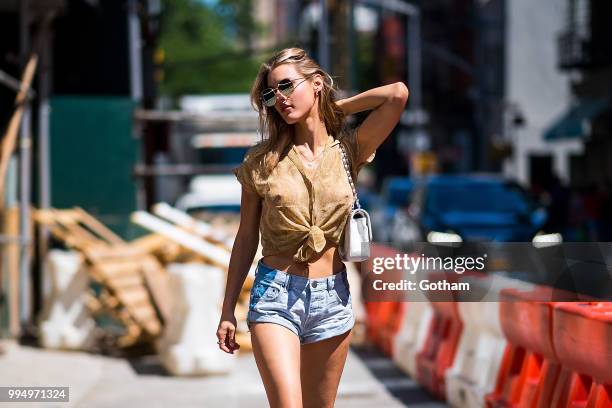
pixel 411 337
pixel 478 356
pixel 481 348
pixel 66 322
pixel 413 329
pixel 189 345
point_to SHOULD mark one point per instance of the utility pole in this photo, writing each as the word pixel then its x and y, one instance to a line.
pixel 352 54
pixel 323 45
pixel 339 42
pixel 415 144
pixel 413 42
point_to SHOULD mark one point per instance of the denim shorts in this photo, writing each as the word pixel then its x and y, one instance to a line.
pixel 314 309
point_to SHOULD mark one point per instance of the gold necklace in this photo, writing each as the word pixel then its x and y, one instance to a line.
pixel 311 162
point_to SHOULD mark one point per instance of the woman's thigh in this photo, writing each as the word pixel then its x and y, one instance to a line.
pixel 277 354
pixel 322 363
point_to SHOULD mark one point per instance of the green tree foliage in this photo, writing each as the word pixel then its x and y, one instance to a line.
pixel 207 47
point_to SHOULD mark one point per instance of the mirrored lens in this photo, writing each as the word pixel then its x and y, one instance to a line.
pixel 268 97
pixel 286 87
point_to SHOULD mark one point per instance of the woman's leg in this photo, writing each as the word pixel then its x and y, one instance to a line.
pixel 322 363
pixel 277 354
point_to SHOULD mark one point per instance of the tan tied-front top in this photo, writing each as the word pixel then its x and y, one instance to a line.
pixel 303 209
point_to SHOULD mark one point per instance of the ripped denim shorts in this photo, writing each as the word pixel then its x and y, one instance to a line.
pixel 314 309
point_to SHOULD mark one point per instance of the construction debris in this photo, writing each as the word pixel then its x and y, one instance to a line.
pixel 131 278
pixel 134 285
pixel 10 137
pixel 188 345
pixel 216 255
pixel 66 322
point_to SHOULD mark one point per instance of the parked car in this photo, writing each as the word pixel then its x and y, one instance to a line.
pixel 388 214
pixel 474 208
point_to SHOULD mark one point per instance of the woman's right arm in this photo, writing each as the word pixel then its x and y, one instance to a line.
pixel 243 253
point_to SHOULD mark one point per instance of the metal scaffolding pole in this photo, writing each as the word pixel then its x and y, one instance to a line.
pixel 25 182
pixel 44 156
pixel 135 49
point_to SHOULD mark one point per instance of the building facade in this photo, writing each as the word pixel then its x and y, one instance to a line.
pixel 584 54
pixel 537 92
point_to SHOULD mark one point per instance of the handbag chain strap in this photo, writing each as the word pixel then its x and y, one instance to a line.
pixel 348 173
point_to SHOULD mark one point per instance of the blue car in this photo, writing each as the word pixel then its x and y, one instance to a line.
pixel 388 212
pixel 474 208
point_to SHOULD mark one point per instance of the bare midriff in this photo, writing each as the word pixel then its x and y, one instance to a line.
pixel 325 263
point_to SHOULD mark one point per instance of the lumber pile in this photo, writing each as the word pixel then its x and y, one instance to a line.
pixel 130 279
pixel 206 244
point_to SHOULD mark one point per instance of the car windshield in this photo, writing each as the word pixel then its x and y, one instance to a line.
pixel 477 197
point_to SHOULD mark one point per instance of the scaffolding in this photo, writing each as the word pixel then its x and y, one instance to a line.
pixel 15 169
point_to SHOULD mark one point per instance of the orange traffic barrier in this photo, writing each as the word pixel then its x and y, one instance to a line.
pixel 440 347
pixel 389 331
pixel 371 319
pixel 384 308
pixel 383 319
pixel 582 336
pixel 529 370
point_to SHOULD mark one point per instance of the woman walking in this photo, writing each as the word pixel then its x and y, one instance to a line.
pixel 296 193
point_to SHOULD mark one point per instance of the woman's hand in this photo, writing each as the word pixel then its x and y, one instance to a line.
pixel 226 333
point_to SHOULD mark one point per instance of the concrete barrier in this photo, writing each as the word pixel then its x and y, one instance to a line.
pixel 188 345
pixel 66 323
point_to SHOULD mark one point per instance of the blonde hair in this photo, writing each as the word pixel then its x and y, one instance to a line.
pixel 275 132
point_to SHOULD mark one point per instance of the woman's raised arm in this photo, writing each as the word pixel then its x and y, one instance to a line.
pixel 387 103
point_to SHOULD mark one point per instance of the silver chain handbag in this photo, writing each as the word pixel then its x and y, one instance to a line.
pixel 358 229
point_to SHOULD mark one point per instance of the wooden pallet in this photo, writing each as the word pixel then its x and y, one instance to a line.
pixel 206 240
pixel 134 288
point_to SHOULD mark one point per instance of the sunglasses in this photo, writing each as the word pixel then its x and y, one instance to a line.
pixel 285 86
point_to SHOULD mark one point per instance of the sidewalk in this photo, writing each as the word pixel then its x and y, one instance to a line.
pixel 369 379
